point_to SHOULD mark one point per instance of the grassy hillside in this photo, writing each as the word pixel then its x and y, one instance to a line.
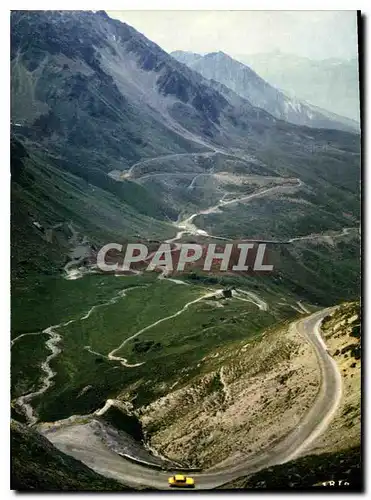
pixel 44 193
pixel 175 346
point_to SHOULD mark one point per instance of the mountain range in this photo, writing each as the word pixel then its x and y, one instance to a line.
pixel 248 84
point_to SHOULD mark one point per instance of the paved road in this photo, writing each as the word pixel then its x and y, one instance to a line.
pixel 81 443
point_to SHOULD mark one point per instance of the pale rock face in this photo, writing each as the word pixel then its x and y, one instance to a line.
pixel 353 319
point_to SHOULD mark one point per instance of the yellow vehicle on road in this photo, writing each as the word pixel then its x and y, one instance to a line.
pixel 181 481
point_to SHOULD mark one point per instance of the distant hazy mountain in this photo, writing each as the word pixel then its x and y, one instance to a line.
pixel 186 57
pixel 248 84
pixel 330 83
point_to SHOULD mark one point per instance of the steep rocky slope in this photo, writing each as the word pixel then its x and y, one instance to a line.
pixel 252 396
pixel 38 466
pixel 339 471
pixel 336 455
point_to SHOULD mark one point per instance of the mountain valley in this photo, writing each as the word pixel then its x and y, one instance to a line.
pixel 115 140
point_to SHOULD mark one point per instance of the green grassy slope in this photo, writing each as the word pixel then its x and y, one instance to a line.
pixel 169 352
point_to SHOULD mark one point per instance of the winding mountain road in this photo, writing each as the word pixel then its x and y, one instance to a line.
pixel 129 173
pixel 188 226
pixel 79 442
